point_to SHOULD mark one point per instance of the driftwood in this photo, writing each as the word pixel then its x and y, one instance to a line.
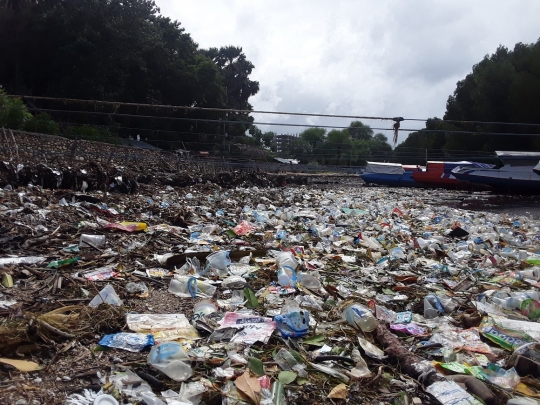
pixel 411 364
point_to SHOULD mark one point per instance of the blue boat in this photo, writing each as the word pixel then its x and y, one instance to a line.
pixel 516 174
pixel 390 174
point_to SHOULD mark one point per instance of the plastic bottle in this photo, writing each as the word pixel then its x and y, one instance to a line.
pixel 61 263
pixel 286 277
pixel 360 317
pixel 286 259
pixel 184 287
pixel 432 307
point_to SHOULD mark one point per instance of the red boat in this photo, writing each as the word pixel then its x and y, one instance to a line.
pixel 439 174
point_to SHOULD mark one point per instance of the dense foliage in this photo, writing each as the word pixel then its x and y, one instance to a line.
pixel 503 88
pixel 122 50
pixel 350 146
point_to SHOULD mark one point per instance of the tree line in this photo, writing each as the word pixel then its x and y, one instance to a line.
pixel 125 51
pixel 503 88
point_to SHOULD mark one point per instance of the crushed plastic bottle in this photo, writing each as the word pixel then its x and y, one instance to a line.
pixel 360 317
pixel 287 277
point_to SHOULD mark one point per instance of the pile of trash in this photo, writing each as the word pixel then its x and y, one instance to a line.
pixel 125 179
pixel 248 295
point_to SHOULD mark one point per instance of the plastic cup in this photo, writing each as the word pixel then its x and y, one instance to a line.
pixel 105 399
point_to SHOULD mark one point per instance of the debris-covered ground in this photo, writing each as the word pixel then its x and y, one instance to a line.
pixel 246 293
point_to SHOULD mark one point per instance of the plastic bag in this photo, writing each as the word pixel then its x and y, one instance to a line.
pixel 168 358
pixel 107 295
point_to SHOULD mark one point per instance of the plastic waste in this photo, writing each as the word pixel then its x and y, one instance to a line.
pixel 522 401
pixel 169 358
pixel 56 264
pixel 105 399
pixel 204 308
pixel 87 241
pixel 432 307
pixel 133 342
pixel 219 262
pixel 286 259
pixel 6 261
pixel 136 288
pixel 287 362
pixel 162 326
pixel 185 287
pixel 287 277
pixel 360 317
pixel 293 324
pixel 106 295
pixel 526 360
pixel 309 281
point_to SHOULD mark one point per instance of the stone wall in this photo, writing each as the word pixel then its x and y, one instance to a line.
pixel 49 148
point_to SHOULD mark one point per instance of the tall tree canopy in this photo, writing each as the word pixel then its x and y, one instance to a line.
pixel 235 69
pixel 503 87
pixel 123 50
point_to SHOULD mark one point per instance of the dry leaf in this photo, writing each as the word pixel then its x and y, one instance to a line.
pixel 339 392
pixel 21 365
pixel 249 386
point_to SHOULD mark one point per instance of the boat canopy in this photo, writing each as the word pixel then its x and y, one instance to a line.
pixel 520 155
pixel 384 168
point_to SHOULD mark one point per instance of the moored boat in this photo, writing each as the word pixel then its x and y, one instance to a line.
pixel 516 175
pixel 439 174
pixel 390 174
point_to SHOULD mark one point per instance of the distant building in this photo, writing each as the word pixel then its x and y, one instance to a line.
pixel 282 141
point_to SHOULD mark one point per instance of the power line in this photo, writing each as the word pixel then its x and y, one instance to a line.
pixel 274 123
pixel 194 108
pixel 117 104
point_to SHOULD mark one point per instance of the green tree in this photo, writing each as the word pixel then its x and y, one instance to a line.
pixel 268 138
pixel 339 146
pixel 257 134
pixel 314 136
pixel 42 123
pixel 235 69
pixel 360 131
pixel 503 87
pixel 13 112
pixel 299 149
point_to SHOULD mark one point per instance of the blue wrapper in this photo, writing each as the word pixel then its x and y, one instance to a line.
pixel 133 342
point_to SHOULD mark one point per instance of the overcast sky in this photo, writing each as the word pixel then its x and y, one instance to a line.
pixel 357 57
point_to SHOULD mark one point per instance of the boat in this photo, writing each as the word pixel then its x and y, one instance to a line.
pixel 439 174
pixel 390 174
pixel 517 173
pixel 537 168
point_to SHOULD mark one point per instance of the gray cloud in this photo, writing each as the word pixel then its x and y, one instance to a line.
pixel 357 57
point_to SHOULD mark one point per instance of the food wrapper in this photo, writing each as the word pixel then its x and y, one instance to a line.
pixel 133 342
pixel 509 339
